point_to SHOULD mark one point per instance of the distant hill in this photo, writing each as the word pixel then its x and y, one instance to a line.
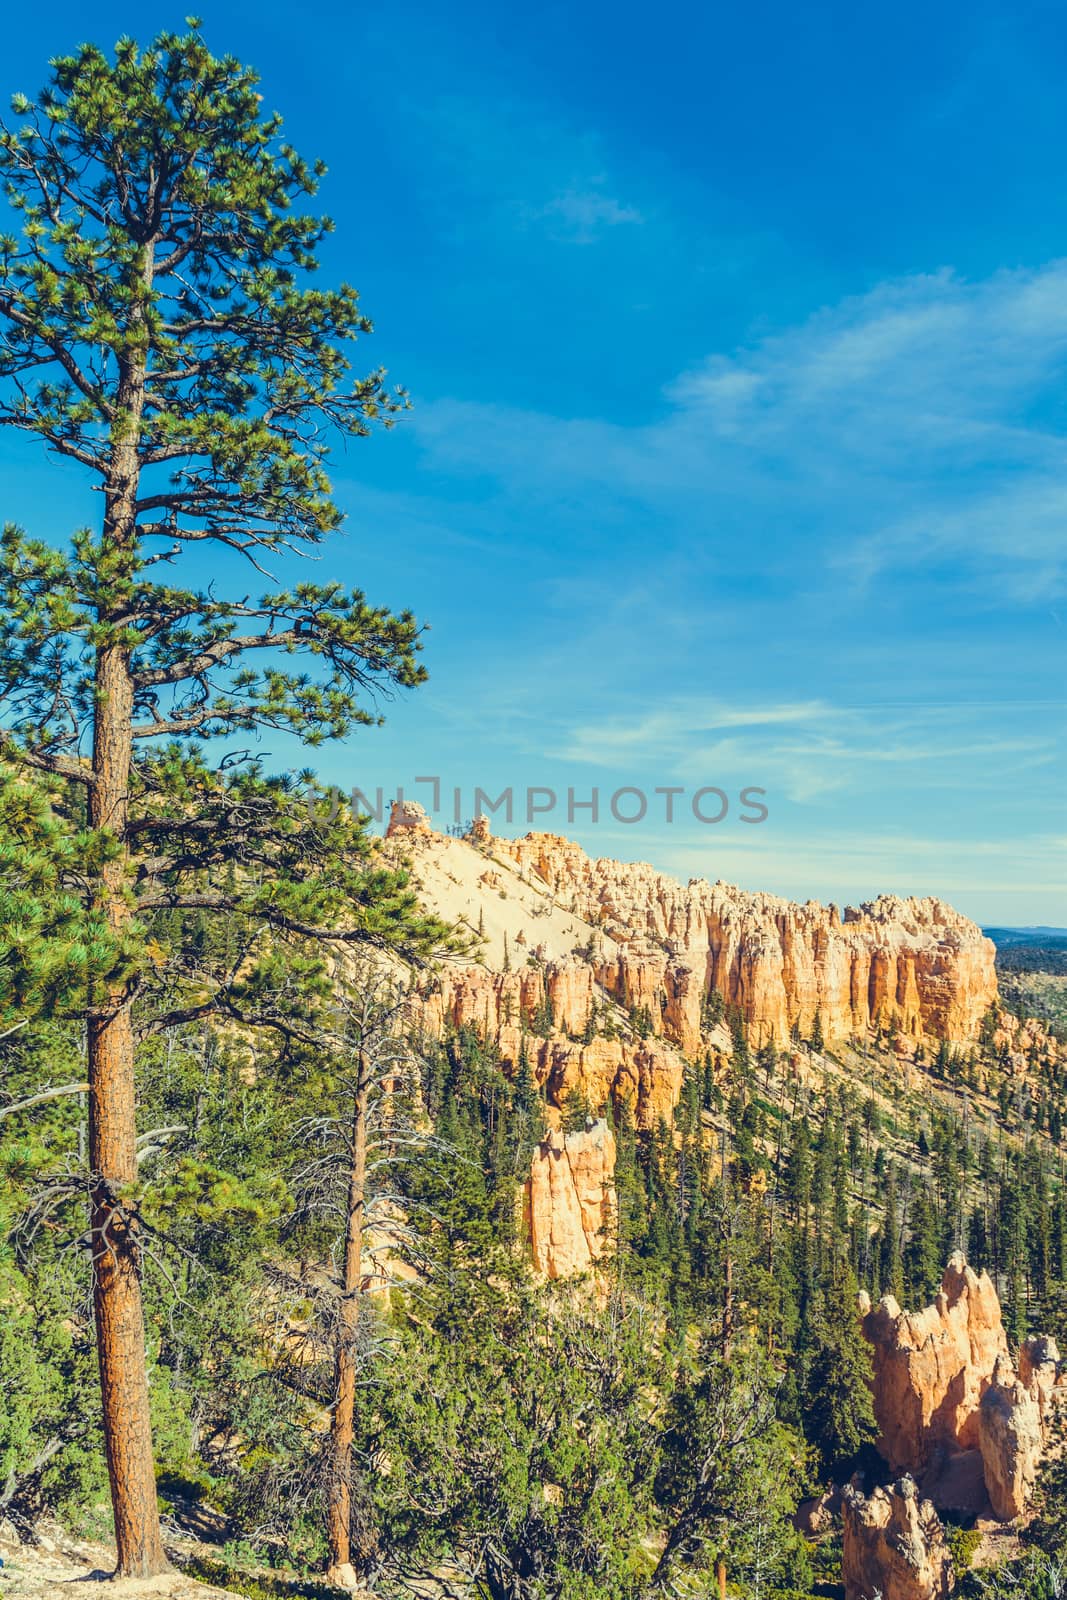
pixel 1032 972
pixel 1005 938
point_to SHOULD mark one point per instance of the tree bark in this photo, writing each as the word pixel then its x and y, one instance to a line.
pixel 342 1423
pixel 117 1305
pixel 720 1573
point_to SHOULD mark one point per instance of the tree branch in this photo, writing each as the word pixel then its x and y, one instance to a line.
pixel 44 1094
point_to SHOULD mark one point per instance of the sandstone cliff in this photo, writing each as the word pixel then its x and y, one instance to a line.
pixel 1011 1439
pixel 931 1367
pixel 591 945
pixel 916 962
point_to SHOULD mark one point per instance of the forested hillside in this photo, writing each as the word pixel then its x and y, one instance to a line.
pixel 539 1437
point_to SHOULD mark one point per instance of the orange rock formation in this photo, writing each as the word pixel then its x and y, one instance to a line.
pixel 931 1367
pixel 570 1200
pixel 1011 1438
pixel 916 961
pixel 617 961
pixel 947 1399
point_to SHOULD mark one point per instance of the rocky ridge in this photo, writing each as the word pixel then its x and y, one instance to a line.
pixel 618 961
pixel 916 963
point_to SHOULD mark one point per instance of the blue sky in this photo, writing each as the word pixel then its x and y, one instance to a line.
pixel 737 341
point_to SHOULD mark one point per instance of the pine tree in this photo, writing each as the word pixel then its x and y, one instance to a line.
pixel 641 1021
pixel 725 1470
pixel 361 1088
pixel 525 1093
pixel 767 1061
pixel 712 1010
pixel 630 1192
pixel 709 1097
pixel 838 1409
pixel 890 1261
pixel 52 947
pixel 576 1110
pixel 156 331
pixel 741 1059
pixel 543 1019
pixel 818 1043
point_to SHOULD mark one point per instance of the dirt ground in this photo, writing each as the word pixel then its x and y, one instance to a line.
pixel 58 1568
pixel 1000 1543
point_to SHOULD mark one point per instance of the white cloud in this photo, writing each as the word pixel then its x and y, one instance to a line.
pixel 848 867
pixel 580 215
pixel 805 751
pixel 892 430
pixel 825 564
pixel 524 169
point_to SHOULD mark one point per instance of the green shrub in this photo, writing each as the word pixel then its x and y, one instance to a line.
pixel 962 1544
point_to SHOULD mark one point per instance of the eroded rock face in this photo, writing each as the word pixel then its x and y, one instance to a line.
pixel 1039 1367
pixel 916 961
pixel 894 1546
pixel 950 1406
pixel 646 1073
pixel 1011 1438
pixel 931 1367
pixel 654 942
pixel 617 961
pixel 570 1200
pixel 408 816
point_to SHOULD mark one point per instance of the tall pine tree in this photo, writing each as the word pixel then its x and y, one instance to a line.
pixel 156 330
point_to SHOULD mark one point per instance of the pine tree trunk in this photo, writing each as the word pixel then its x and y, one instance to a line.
pixel 720 1573
pixel 117 1306
pixel 339 1508
pixel 113 1167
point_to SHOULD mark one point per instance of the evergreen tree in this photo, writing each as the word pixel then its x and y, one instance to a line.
pixel 712 1010
pixel 630 1192
pixel 543 1019
pixel 156 331
pixel 641 1021
pixel 576 1111
pixel 890 1260
pixel 360 1115
pixel 838 1409
pixel 724 1482
pixel 818 1042
pixel 740 1058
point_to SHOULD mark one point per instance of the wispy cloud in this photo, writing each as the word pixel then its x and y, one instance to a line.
pixel 830 564
pixel 896 429
pixel 580 215
pixel 525 169
pixel 848 866
pixel 805 751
